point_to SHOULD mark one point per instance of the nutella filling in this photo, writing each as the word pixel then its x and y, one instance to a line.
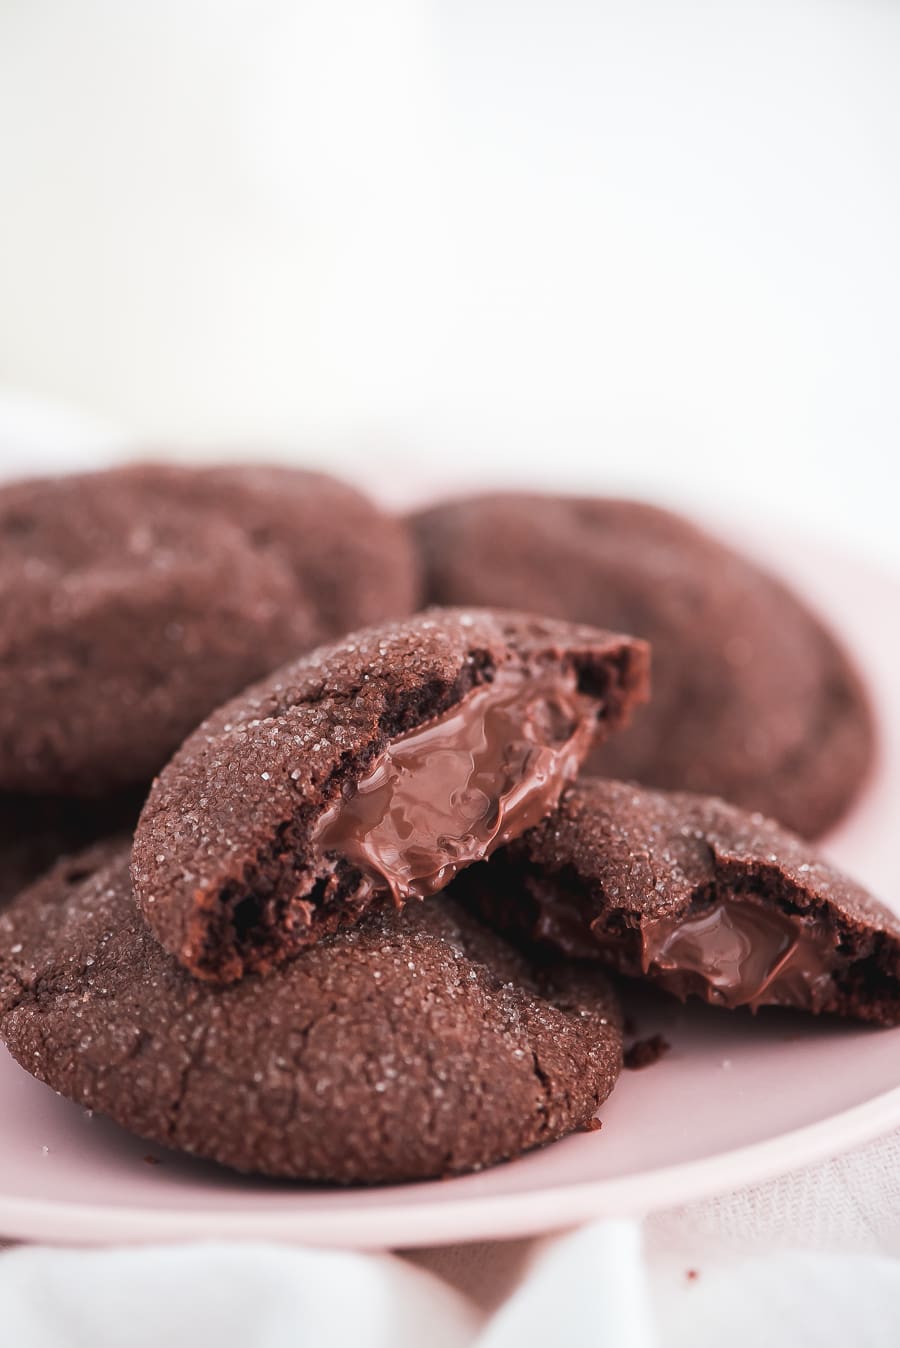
pixel 739 954
pixel 449 792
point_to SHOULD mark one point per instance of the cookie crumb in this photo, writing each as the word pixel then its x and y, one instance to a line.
pixel 593 1126
pixel 646 1052
pixel 692 1274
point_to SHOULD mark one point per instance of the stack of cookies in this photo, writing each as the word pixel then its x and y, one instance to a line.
pixel 328 837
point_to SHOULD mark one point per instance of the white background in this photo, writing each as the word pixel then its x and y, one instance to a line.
pixel 648 245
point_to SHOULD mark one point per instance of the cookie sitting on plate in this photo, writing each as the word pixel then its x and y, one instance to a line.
pixel 261 995
pixel 251 980
pixel 697 895
pixel 418 1044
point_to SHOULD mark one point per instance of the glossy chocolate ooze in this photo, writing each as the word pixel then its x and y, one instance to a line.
pixel 448 793
pixel 739 954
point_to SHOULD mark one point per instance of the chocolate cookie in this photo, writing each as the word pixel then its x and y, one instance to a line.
pixel 367 771
pixel 416 1045
pixel 753 698
pixel 703 898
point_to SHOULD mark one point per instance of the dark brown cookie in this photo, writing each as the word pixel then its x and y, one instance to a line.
pixel 415 1045
pixel 36 831
pixel 705 899
pixel 370 769
pixel 753 699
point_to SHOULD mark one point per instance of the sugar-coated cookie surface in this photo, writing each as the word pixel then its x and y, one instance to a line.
pixel 418 1044
pixel 135 600
pixel 702 897
pixel 319 792
pixel 753 698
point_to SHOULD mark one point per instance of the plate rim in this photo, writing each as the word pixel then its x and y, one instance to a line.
pixel 466 1220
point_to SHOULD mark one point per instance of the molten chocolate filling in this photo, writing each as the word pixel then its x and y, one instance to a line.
pixel 448 793
pixel 739 954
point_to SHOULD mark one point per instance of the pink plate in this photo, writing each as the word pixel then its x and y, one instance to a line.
pixel 737 1100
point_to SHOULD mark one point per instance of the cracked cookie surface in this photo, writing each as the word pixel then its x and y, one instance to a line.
pixel 416 1045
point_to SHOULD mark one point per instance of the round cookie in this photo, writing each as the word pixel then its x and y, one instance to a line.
pixel 124 619
pixel 367 771
pixel 753 698
pixel 703 898
pixel 416 1045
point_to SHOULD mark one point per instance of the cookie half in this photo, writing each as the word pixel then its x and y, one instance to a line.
pixel 754 699
pixel 416 1045
pixel 699 896
pixel 370 771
